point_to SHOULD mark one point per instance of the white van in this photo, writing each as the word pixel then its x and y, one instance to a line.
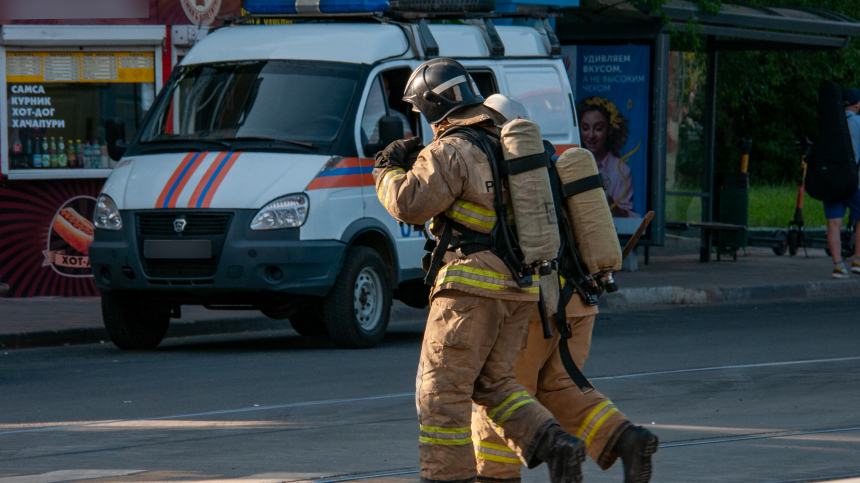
pixel 248 184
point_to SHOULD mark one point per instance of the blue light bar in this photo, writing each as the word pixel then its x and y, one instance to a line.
pixel 288 7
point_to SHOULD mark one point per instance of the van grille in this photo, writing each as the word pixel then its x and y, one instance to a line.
pixel 197 224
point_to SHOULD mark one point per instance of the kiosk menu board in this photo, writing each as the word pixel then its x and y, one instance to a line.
pixel 57 103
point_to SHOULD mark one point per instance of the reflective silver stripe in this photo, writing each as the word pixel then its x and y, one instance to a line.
pixel 448 84
pixel 587 434
pixel 504 411
pixel 308 6
pixel 429 434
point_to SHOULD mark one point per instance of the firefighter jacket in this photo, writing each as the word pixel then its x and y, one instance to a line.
pixel 453 177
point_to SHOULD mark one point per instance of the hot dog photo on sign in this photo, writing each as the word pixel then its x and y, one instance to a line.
pixel 70 236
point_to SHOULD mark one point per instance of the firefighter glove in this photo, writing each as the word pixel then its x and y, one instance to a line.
pixel 399 154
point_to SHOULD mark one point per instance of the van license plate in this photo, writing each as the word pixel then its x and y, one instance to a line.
pixel 177 249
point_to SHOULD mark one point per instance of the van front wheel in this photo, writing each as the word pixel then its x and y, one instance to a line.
pixel 132 323
pixel 356 310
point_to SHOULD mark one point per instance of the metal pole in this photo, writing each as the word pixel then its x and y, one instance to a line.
pixel 659 119
pixel 709 142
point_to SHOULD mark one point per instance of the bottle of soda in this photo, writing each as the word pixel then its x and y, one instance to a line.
pixel 88 155
pixel 79 153
pixel 28 155
pixel 37 154
pixel 17 152
pixel 55 161
pixel 46 155
pixel 97 155
pixel 70 155
pixel 61 154
pixel 105 159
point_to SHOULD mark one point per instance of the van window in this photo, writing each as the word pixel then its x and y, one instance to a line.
pixel 539 88
pixel 384 99
pixel 297 103
pixel 374 109
pixel 486 82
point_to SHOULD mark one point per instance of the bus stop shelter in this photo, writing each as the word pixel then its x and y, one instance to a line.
pixel 735 27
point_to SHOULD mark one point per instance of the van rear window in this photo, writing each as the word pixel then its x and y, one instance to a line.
pixel 304 103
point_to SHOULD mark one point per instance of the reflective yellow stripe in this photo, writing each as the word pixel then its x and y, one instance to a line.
pixel 598 425
pixel 500 459
pixel 476 209
pixel 507 401
pixel 382 189
pixel 447 442
pixel 510 411
pixel 469 219
pixel 474 283
pixel 498 281
pixel 499 447
pixel 591 416
pixel 438 429
pixel 478 271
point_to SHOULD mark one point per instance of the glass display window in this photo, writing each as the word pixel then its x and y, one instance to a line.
pixel 57 104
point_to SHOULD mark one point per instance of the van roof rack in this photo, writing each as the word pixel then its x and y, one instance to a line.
pixel 430 46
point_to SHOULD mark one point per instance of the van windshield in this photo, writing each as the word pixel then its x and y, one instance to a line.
pixel 285 105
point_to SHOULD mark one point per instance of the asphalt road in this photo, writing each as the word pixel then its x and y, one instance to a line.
pixel 737 393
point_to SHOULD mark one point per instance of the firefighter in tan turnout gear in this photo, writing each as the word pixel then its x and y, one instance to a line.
pixel 479 312
pixel 592 417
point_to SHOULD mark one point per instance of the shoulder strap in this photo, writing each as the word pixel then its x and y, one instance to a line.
pixel 504 238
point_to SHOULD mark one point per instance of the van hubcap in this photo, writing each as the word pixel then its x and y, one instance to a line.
pixel 367 299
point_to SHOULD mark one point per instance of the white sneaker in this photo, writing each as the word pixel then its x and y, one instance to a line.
pixel 839 271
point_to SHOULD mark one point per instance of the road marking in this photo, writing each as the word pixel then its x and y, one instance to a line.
pixel 366 477
pixel 749 438
pixel 67 475
pixel 722 368
pixel 211 413
pixel 412 394
pixel 828 479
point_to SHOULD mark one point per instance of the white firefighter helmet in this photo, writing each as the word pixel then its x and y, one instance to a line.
pixel 509 107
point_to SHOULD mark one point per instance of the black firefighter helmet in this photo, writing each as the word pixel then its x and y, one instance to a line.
pixel 440 86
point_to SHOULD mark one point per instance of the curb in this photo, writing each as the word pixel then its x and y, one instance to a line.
pixel 690 296
pixel 92 335
pixel 630 297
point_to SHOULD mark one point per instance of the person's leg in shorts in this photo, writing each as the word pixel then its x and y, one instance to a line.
pixel 835 212
pixel 854 208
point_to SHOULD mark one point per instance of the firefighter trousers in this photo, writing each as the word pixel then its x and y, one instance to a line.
pixel 470 347
pixel 591 417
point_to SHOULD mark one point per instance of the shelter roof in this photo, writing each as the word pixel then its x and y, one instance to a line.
pixel 736 26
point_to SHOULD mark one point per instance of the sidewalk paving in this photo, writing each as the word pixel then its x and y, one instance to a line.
pixel 673 276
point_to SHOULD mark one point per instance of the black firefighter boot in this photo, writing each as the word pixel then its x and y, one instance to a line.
pixel 635 446
pixel 563 453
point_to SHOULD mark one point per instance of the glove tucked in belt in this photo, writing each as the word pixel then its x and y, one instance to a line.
pixel 399 154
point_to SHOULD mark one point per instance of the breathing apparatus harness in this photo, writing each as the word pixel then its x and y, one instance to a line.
pixel 502 240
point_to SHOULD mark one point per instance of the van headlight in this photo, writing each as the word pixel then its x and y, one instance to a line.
pixel 106 216
pixel 289 211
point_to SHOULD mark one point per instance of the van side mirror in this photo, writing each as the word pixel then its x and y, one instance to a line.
pixel 115 138
pixel 390 130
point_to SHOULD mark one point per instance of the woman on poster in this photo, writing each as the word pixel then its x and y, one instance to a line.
pixel 604 132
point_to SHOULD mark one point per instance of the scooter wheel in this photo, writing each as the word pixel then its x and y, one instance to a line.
pixel 793 242
pixel 779 248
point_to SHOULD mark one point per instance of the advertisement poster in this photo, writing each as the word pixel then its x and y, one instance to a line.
pixel 612 85
pixel 45 237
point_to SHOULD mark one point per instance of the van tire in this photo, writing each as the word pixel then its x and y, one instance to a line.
pixel 133 323
pixel 309 320
pixel 357 308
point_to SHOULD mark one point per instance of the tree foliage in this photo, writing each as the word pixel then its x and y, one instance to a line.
pixel 772 97
pixel 769 96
